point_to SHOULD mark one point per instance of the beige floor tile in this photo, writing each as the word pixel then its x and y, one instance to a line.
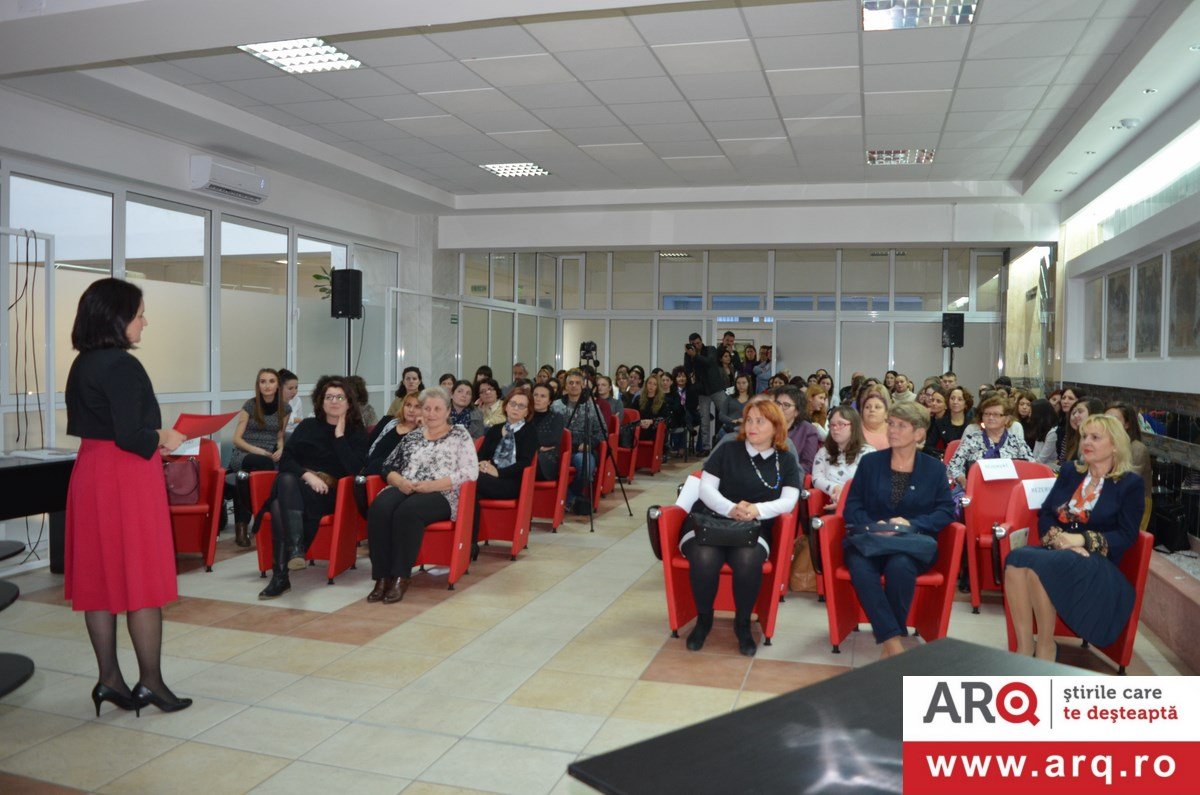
pixel 428 788
pixel 464 616
pixel 620 732
pixel 170 631
pixel 269 731
pixel 541 728
pixel 305 778
pixel 748 698
pixel 376 749
pixel 88 756
pixel 328 698
pixel 571 786
pixel 292 655
pixel 809 648
pixel 570 692
pixel 200 769
pixel 41 679
pixel 619 632
pixel 486 681
pixel 24 728
pixel 214 644
pixel 23 609
pixel 498 767
pixel 678 705
pixel 60 623
pixel 381 667
pixel 234 683
pixel 430 711
pixel 50 653
pixel 504 599
pixel 543 621
pixel 497 646
pixel 429 639
pixel 69 696
pixel 185 724
pixel 582 657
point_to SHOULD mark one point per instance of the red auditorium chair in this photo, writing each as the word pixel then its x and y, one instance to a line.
pixel 930 611
pixel 681 608
pixel 951 449
pixel 510 520
pixel 813 502
pixel 194 527
pixel 624 455
pixel 337 534
pixel 448 543
pixel 984 505
pixel 549 495
pixel 648 452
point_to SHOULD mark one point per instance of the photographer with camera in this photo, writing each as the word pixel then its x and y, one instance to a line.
pixel 703 363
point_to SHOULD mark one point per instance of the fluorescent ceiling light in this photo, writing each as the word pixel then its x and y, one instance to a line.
pixel 515 169
pixel 899 14
pixel 302 56
pixel 899 157
pixel 674 255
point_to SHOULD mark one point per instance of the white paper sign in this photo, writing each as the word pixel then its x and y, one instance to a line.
pixel 997 468
pixel 190 447
pixel 1036 490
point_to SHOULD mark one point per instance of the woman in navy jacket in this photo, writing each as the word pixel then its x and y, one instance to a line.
pixel 1089 518
pixel 895 486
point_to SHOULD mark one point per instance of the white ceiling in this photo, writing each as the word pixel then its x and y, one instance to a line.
pixel 717 94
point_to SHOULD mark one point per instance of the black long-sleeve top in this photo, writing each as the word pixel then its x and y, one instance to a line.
pixel 313 447
pixel 382 442
pixel 549 426
pixel 109 396
pixel 527 447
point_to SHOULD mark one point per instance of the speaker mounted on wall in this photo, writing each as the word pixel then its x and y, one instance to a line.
pixel 952 330
pixel 345 294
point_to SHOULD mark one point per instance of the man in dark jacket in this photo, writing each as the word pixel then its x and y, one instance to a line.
pixel 703 363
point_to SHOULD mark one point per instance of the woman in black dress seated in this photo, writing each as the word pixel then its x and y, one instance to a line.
pixel 323 448
pixel 549 427
pixel 388 433
pixel 506 450
pixel 1089 518
pixel 895 487
pixel 750 480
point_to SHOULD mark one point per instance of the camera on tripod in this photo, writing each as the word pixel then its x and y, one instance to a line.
pixel 587 354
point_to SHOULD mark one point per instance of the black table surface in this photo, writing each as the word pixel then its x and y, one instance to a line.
pixel 842 735
pixel 31 486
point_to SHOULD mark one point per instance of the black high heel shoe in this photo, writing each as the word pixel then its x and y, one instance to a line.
pixel 102 693
pixel 144 697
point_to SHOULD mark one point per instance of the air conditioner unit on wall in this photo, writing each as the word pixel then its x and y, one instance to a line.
pixel 241 183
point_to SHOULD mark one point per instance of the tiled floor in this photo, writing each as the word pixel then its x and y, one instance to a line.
pixel 496 686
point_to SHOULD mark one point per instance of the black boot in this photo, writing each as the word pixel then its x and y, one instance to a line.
pixel 294 540
pixel 241 534
pixel 745 638
pixel 279 584
pixel 695 641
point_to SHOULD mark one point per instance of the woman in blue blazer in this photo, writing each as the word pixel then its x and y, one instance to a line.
pixel 1089 518
pixel 895 486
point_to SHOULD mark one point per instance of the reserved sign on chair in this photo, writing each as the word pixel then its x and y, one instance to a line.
pixel 997 468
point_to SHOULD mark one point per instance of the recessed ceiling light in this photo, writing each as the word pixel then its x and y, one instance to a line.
pixel 1149 90
pixel 1072 173
pixel 1090 152
pixel 302 56
pixel 1116 127
pixel 1058 190
pixel 515 169
pixel 674 255
pixel 1195 48
pixel 899 14
pixel 899 157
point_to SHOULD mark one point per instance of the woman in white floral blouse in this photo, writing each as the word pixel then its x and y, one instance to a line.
pixel 838 457
pixel 997 440
pixel 423 475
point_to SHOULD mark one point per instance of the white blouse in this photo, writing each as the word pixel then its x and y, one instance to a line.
pixel 827 474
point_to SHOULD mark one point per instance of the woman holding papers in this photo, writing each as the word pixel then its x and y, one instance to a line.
pixel 119 552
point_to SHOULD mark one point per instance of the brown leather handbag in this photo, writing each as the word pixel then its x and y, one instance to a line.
pixel 183 481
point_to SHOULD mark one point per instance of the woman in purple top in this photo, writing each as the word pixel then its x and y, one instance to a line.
pixel 803 433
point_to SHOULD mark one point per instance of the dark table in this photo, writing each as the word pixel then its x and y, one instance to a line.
pixel 843 735
pixel 32 487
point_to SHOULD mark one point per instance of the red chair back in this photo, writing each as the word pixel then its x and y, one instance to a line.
pixel 548 495
pixel 338 533
pixel 510 520
pixel 449 543
pixel 650 450
pixel 194 527
pixel 625 456
pixel 951 449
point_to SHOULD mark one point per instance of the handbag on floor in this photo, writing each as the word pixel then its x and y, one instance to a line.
pixel 803 577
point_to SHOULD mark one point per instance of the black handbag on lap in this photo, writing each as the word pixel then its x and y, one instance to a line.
pixel 720 531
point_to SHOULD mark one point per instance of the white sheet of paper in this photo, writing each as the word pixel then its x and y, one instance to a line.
pixel 997 468
pixel 190 447
pixel 1018 538
pixel 1036 490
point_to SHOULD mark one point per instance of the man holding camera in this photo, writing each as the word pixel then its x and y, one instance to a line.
pixel 703 363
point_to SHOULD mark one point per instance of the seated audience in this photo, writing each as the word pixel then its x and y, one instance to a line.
pixel 958 415
pixel 653 408
pixel 610 405
pixel 747 480
pixel 447 382
pixel 289 386
pixel 684 401
pixel 545 374
pixel 776 381
pixel 411 383
pixel 549 427
pixel 1022 401
pixel 726 367
pixel 802 433
pixel 818 409
pixel 1139 455
pixel 903 392
pixel 873 404
pixel 1080 411
pixel 487 400
pixel 257 442
pixel 482 372
pixel 837 460
pixel 1041 433
pixel 463 410
pixel 1087 522
pixel 729 412
pixel 506 451
pixel 997 439
pixel 423 475
pixel 389 432
pixel 637 379
pixel 896 487
pixel 363 397
pixel 1055 398
pixel 1067 400
pixel 324 448
pixel 825 381
pixel 939 414
pixel 749 361
pixel 520 375
pixel 586 436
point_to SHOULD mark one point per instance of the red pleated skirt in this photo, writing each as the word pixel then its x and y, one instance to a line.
pixel 119 553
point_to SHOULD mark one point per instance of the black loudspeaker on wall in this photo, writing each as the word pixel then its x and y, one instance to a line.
pixel 952 330
pixel 346 294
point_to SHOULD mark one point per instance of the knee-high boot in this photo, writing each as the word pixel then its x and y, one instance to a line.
pixel 280 584
pixel 294 549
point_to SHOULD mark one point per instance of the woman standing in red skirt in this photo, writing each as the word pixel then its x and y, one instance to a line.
pixel 120 555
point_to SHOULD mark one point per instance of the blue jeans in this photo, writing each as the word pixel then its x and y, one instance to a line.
pixel 585 470
pixel 886 604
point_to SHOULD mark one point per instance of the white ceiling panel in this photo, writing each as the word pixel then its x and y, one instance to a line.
pixel 798 19
pixel 406 147
pixel 735 109
pixel 987 120
pixel 960 171
pixel 486 41
pixel 559 95
pixel 1011 98
pixel 503 121
pixel 1047 118
pixel 615 153
pixel 1085 69
pixel 773 149
pixel 911 76
pixel 707 57
pixel 799 105
pixel 733 85
pixel 432 126
pixel 675 27
pixel 592 32
pixel 660 133
pixel 274 114
pixel 402 50
pixel 325 112
pixel 321 134
pixel 654 113
pixel 467 143
pixel 848 125
pixel 223 68
pixel 599 136
pixel 806 52
pixel 1033 11
pixel 444 76
pixel 903 123
pixel 1065 96
pixel 947 156
pixel 373 130
pixel 891 103
pixel 839 80
pixel 1128 8
pixel 914 45
pixel 224 94
pixel 471 100
pixel 1034 137
pixel 437 161
pixel 354 83
pixel 707 164
pixel 523 140
pixel 1010 72
pixel 612 64
pixel 747 128
pixel 640 89
pixel 976 139
pixel 897 173
pixel 164 70
pixel 922 140
pixel 685 148
pixel 1027 40
pixel 277 90
pixel 397 107
pixel 595 116
pixel 1107 36
pixel 520 70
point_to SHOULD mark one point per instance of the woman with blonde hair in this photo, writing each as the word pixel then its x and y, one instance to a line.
pixel 1088 520
pixel 818 409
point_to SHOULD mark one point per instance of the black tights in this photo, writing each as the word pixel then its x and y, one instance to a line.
pixel 705 573
pixel 251 463
pixel 145 630
pixel 396 526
